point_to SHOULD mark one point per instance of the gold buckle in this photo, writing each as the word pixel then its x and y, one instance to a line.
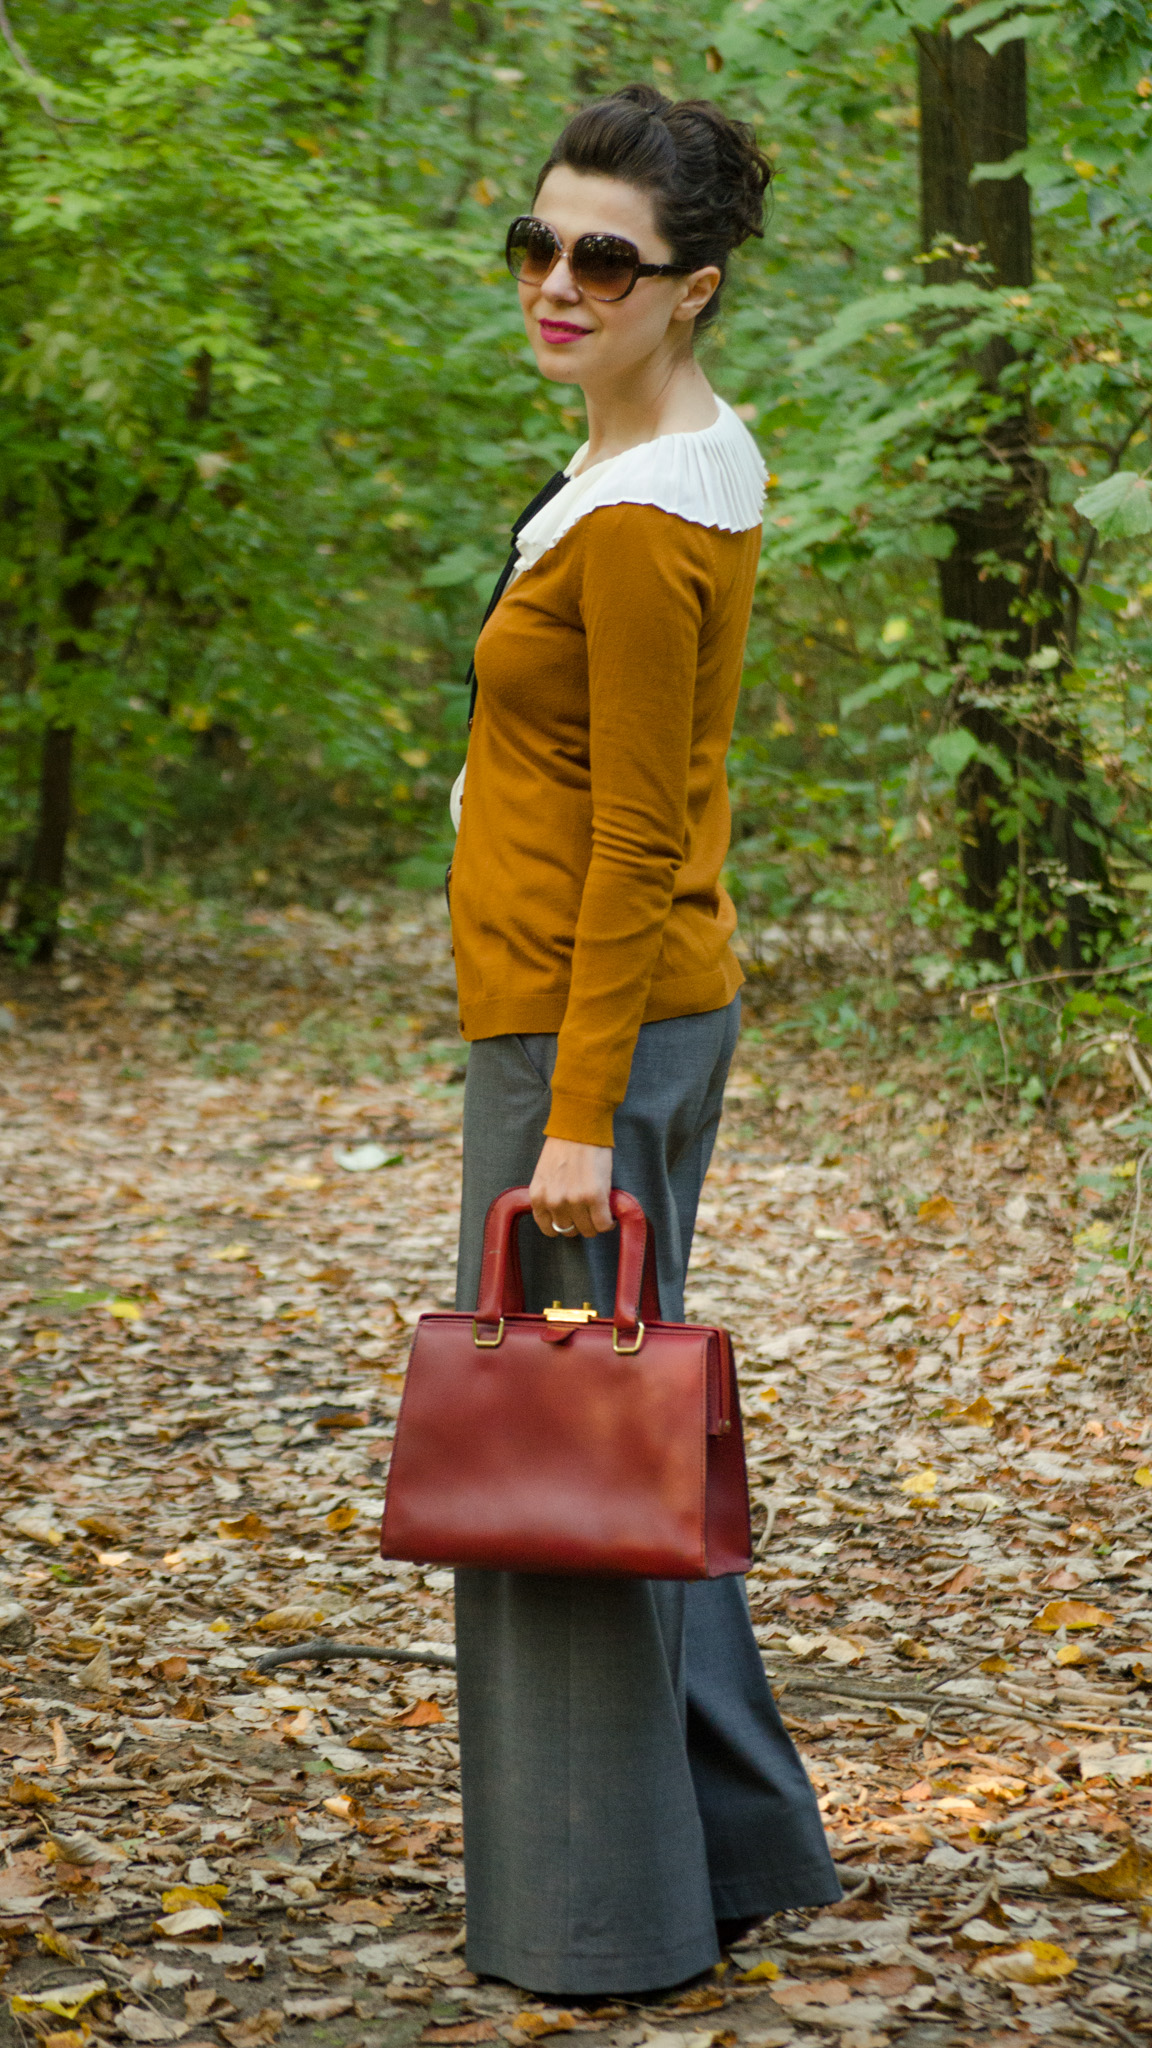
pixel 559 1314
pixel 487 1343
pixel 626 1350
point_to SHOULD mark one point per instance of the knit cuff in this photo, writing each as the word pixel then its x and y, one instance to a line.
pixel 580 1118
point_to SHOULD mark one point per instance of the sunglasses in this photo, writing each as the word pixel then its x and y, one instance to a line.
pixel 604 267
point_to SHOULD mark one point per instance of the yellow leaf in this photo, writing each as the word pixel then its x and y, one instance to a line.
pixel 484 191
pixel 894 631
pixel 230 1253
pixel 994 1665
pixel 937 1209
pixel 1070 1614
pixel 536 2024
pixel 1126 1876
pixel 920 1485
pixel 66 2001
pixel 220 1627
pixel 25 1792
pixel 1143 1475
pixel 340 1519
pixel 761 1973
pixel 979 1414
pixel 1070 1653
pixel 126 1311
pixel 248 1529
pixel 1034 1962
pixel 182 1895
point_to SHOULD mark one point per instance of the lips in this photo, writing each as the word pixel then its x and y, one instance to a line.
pixel 557 332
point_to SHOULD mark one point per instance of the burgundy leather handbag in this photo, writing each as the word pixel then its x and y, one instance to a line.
pixel 565 1442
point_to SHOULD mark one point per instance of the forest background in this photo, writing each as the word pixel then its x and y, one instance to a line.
pixel 268 412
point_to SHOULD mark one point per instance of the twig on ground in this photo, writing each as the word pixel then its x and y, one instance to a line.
pixel 783 1682
pixel 324 1651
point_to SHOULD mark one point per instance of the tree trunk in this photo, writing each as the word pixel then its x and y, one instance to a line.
pixel 38 915
pixel 974 110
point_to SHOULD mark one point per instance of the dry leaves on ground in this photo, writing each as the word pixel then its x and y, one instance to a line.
pixel 210 1289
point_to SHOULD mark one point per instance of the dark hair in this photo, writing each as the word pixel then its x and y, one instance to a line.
pixel 706 173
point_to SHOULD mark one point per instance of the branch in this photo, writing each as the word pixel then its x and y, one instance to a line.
pixel 63 120
pixel 322 1650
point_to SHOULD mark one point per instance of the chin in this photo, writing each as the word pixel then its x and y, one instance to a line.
pixel 551 364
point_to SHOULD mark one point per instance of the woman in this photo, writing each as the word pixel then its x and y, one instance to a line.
pixel 630 1794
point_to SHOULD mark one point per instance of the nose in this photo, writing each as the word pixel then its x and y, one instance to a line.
pixel 560 284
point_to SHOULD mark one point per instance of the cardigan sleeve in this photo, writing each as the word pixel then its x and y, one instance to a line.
pixel 646 589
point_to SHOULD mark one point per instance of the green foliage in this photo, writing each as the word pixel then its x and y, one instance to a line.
pixel 267 406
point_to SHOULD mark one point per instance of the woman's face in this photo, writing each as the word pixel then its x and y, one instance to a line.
pixel 578 340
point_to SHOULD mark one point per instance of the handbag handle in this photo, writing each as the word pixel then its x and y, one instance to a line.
pixel 502 1286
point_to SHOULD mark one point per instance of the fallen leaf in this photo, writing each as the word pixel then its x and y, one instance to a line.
pixel 26 1792
pixel 341 1519
pixel 359 1912
pixel 107 1527
pixel 1070 1614
pixel 937 1209
pixel 1034 1962
pixel 535 2025
pixel 65 2000
pixel 978 1414
pixel 462 2031
pixel 340 1418
pixel 422 1715
pixel 249 1529
pixel 1070 1653
pixel 141 2024
pixel 1126 1876
pixel 231 1254
pixel 203 1922
pixel 319 2008
pixel 343 1807
pixel 761 1973
pixel 38 1528
pixel 51 1943
pixel 370 1738
pixel 293 1616
pixel 920 1485
pixel 812 1991
pixel 125 1311
pixel 181 1895
pixel 1143 1475
pixel 255 2030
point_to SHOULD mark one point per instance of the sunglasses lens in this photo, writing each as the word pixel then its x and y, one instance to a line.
pixel 604 266
pixel 532 251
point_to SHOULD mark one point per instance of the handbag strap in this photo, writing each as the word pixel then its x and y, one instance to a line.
pixel 554 484
pixel 501 1286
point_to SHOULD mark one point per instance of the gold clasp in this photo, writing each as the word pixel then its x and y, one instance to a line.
pixel 487 1343
pixel 626 1350
pixel 559 1314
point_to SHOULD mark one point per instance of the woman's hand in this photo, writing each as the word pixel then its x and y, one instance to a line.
pixel 570 1188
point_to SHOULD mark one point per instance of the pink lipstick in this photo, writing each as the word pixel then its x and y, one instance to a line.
pixel 558 332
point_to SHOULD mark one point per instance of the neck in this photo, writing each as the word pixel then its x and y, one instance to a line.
pixel 667 396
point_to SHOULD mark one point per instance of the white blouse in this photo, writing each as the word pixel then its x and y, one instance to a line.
pixel 710 476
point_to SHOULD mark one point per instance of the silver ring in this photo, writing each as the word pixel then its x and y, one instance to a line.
pixel 564 1229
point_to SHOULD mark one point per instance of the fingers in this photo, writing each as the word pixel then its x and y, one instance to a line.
pixel 570 1189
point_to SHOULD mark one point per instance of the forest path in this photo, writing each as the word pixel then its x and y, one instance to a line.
pixel 210 1288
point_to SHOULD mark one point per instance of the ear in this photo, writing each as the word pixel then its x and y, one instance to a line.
pixel 698 289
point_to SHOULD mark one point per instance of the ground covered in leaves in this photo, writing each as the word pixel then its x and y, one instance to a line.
pixel 230 1152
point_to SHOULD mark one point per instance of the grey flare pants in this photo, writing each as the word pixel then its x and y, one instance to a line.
pixel 627 1778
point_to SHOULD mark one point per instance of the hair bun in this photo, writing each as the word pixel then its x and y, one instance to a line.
pixel 706 172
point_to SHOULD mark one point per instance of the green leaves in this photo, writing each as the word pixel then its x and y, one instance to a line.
pixel 1120 507
pixel 952 751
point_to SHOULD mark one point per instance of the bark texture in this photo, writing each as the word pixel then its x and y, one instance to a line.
pixel 974 110
pixel 38 915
